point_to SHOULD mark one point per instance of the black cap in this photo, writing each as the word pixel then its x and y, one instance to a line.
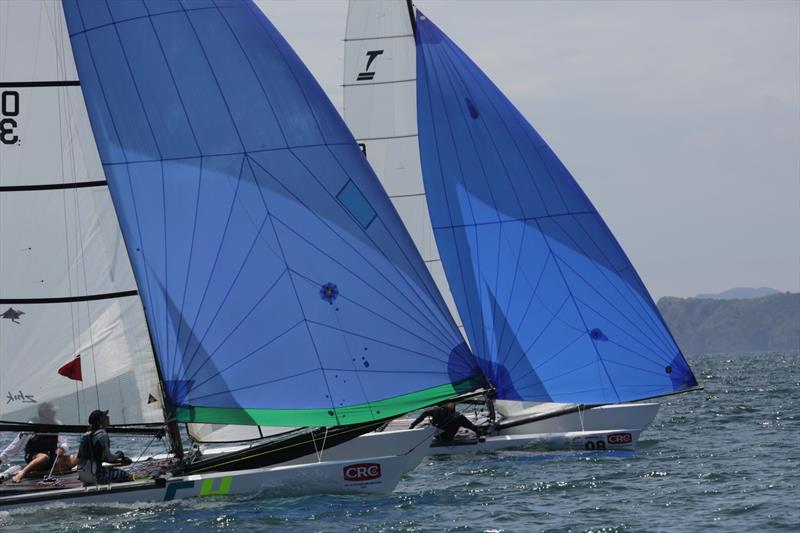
pixel 95 416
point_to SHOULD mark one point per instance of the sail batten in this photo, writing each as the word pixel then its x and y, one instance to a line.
pixel 279 284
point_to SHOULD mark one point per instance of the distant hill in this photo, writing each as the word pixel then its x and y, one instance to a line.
pixel 739 293
pixel 704 325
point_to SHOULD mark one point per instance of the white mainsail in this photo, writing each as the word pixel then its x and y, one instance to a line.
pixel 380 108
pixel 66 286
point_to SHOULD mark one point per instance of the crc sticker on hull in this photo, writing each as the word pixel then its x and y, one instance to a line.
pixel 620 438
pixel 362 472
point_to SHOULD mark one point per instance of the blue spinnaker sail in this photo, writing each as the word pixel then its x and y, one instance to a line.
pixel 279 284
pixel 553 308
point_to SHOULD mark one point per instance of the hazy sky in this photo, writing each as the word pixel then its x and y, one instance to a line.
pixel 680 119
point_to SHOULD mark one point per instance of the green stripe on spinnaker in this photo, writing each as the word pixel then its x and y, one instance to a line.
pixel 341 416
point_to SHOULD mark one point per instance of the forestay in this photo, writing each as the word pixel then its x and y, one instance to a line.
pixel 66 286
pixel 552 306
pixel 279 284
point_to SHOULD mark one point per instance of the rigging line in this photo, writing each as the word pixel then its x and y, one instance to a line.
pixel 142 273
pixel 414 195
pixel 221 371
pixel 378 38
pixel 379 271
pixel 646 319
pixel 654 346
pixel 187 363
pixel 81 250
pixel 439 313
pixel 53 186
pixel 387 138
pixel 420 53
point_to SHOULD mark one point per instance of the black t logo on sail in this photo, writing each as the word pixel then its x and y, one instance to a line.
pixel 367 75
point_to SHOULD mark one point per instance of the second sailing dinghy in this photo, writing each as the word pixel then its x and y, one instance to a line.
pixel 279 286
pixel 565 331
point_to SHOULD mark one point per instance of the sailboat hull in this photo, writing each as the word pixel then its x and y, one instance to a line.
pixel 615 440
pixel 634 416
pixel 375 475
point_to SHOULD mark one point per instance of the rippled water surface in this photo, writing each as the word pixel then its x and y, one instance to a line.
pixel 724 459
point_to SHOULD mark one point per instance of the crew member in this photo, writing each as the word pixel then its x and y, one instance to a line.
pixel 95 449
pixel 448 420
pixel 43 451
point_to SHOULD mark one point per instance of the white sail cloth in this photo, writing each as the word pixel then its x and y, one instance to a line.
pixel 62 259
pixel 380 108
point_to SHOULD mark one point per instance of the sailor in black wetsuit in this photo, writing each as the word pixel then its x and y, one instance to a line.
pixel 448 420
pixel 42 450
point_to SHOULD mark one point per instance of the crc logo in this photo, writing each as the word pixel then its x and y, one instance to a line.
pixel 620 438
pixel 362 472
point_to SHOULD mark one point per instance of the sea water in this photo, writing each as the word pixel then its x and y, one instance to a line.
pixel 723 459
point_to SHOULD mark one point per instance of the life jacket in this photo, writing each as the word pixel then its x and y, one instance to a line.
pixel 89 458
pixel 41 443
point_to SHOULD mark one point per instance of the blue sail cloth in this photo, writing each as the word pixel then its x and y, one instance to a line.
pixel 552 307
pixel 279 283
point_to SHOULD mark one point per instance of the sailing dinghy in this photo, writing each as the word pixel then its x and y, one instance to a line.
pixel 265 278
pixel 563 327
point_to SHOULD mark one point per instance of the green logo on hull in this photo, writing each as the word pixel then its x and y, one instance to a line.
pixel 224 487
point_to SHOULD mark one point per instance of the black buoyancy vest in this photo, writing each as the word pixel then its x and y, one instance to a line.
pixel 41 443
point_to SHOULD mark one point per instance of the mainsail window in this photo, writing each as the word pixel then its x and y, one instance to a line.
pixel 355 203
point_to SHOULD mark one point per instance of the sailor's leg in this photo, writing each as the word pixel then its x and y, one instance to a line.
pixel 40 462
pixel 66 463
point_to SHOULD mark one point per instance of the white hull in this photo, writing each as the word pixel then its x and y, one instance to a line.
pixel 633 416
pixel 574 440
pixel 609 427
pixel 411 443
pixel 375 475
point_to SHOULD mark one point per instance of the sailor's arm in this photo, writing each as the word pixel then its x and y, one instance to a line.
pixel 16 446
pixel 63 445
pixel 420 418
